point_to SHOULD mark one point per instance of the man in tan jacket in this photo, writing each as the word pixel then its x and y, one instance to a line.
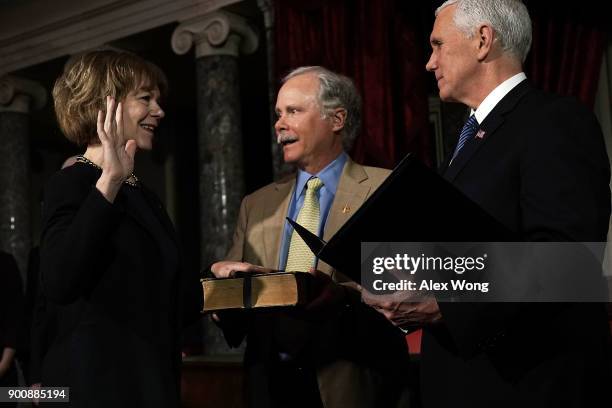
pixel 343 354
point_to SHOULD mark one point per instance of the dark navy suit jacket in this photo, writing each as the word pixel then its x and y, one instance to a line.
pixel 542 170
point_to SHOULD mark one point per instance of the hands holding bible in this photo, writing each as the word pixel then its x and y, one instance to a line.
pixel 228 269
pixel 325 292
pixel 403 312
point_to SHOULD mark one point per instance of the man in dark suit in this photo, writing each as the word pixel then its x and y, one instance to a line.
pixel 537 163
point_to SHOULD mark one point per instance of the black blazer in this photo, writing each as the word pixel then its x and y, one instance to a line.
pixel 541 169
pixel 112 275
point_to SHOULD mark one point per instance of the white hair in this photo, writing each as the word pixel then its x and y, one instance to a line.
pixel 509 18
pixel 335 91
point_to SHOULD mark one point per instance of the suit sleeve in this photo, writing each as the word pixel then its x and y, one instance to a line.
pixel 236 252
pixel 78 223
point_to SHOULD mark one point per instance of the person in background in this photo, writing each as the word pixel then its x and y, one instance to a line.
pixel 11 315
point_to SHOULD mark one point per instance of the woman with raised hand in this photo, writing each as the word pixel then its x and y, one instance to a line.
pixel 110 263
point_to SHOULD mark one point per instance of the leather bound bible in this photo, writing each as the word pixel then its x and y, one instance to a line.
pixel 246 291
pixel 414 204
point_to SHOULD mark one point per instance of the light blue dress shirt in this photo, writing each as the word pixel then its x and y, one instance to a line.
pixel 330 176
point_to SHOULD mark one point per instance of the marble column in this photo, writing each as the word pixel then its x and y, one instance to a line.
pixel 17 98
pixel 219 39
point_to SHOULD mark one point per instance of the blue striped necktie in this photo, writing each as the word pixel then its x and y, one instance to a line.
pixel 469 131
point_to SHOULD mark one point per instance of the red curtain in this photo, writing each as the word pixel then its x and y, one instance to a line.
pixel 567 51
pixel 379 44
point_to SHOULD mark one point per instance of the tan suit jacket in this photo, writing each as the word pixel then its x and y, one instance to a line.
pixel 261 220
pixel 257 240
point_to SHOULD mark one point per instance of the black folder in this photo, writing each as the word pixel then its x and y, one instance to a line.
pixel 414 204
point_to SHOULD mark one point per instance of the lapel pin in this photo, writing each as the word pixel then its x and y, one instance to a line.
pixel 346 209
pixel 480 134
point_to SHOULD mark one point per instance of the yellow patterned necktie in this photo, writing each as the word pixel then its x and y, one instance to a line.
pixel 300 258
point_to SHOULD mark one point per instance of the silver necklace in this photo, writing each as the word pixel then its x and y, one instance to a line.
pixel 132 180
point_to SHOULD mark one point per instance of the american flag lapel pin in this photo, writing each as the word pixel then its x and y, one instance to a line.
pixel 480 134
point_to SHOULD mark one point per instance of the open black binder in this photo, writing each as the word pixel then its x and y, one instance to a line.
pixel 414 204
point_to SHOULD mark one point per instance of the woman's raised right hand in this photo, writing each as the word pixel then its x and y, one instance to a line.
pixel 117 153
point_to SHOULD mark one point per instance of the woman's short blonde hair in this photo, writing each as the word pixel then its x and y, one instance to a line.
pixel 81 91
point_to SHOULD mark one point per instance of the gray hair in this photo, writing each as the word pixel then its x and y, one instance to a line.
pixel 335 91
pixel 509 18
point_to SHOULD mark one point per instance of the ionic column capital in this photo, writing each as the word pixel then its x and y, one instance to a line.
pixel 218 33
pixel 21 95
